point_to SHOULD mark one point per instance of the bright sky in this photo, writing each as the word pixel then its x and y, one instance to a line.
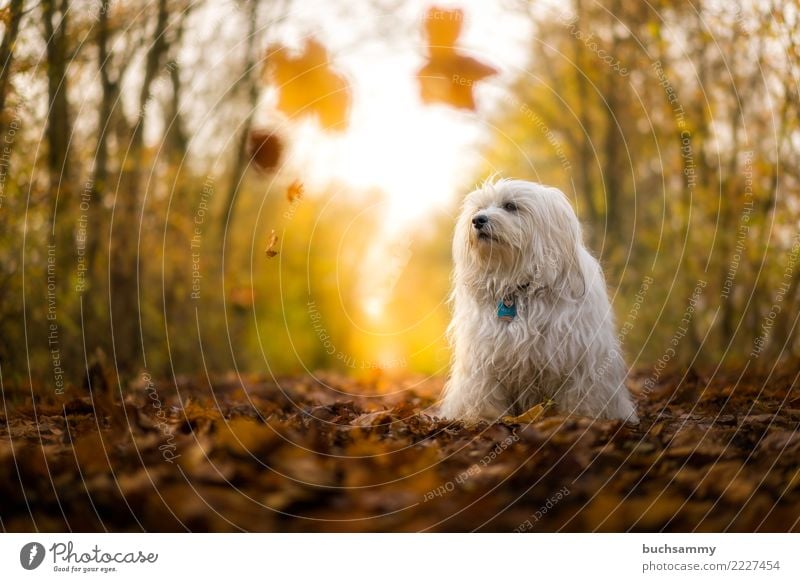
pixel 419 156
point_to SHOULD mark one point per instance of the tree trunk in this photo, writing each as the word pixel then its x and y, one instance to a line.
pixel 59 129
pixel 126 219
pixel 176 140
pixel 585 182
pixel 15 8
pixel 241 158
pixel 612 174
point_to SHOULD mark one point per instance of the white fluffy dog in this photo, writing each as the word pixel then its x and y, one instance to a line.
pixel 531 319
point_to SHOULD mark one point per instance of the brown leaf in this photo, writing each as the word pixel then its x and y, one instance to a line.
pixel 381 417
pixel 244 436
pixel 329 448
pixel 91 452
pixel 272 242
pixel 265 148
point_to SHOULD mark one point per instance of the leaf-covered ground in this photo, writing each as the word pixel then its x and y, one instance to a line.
pixel 326 454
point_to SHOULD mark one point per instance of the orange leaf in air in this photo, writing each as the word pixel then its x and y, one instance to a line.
pixel 272 242
pixel 449 76
pixel 308 86
pixel 442 29
pixel 295 191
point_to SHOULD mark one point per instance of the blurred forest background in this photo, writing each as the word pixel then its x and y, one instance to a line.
pixel 151 147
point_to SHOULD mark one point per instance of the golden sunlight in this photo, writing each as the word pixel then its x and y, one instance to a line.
pixel 415 157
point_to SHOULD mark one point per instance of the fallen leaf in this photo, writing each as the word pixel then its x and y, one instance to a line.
pixel 381 417
pixel 244 437
pixel 194 411
pixel 531 415
pixel 332 453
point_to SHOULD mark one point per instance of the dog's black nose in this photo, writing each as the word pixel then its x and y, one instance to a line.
pixel 479 221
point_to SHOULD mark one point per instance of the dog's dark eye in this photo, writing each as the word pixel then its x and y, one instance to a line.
pixel 510 206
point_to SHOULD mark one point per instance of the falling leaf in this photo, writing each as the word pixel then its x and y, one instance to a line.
pixel 272 242
pixel 295 191
pixel 307 85
pixel 449 76
pixel 265 148
pixel 451 80
pixel 442 29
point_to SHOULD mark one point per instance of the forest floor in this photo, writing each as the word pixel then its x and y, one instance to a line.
pixel 327 454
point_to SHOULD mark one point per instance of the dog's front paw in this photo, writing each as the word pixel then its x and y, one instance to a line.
pixel 632 419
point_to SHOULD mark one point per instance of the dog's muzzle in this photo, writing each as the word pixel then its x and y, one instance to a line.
pixel 482 228
pixel 480 221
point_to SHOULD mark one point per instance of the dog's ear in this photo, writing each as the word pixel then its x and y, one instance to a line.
pixel 575 283
pixel 574 274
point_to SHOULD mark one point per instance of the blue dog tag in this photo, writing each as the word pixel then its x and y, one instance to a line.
pixel 507 309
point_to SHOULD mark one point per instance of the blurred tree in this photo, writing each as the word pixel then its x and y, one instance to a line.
pixel 125 249
pixel 55 15
pixel 249 84
pixel 7 45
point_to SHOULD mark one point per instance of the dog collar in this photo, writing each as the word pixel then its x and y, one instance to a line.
pixel 507 306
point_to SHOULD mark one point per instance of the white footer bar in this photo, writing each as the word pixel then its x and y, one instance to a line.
pixel 402 557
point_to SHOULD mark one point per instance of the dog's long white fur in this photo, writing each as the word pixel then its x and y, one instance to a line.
pixel 562 344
